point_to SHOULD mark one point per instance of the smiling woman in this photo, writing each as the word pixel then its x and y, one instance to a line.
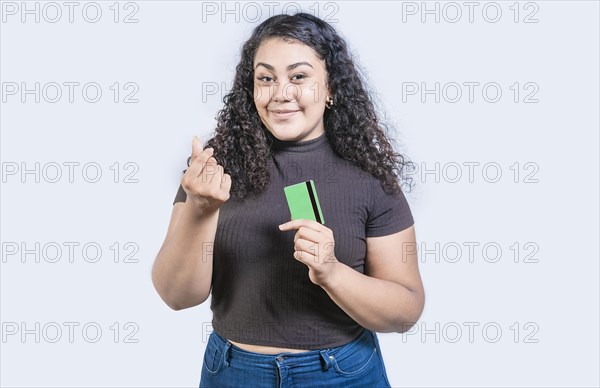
pixel 294 302
pixel 290 89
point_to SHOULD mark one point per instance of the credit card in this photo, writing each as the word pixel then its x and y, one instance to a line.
pixel 303 201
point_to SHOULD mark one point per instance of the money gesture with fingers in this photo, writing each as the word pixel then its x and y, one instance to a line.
pixel 205 182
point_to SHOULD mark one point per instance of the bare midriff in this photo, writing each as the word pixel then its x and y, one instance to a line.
pixel 265 349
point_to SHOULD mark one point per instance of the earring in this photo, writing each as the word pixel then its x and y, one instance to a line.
pixel 328 102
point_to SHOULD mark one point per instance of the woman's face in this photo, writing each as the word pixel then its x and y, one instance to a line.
pixel 290 89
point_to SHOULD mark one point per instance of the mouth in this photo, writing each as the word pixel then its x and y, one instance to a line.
pixel 283 113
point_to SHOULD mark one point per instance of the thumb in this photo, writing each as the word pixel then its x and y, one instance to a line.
pixel 196 147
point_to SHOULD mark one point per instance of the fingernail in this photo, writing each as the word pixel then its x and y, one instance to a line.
pixel 210 149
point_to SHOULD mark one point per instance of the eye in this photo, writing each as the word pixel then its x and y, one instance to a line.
pixel 299 75
pixel 264 78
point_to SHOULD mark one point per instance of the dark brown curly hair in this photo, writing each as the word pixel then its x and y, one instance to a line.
pixel 352 126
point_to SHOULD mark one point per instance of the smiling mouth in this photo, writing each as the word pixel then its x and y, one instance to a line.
pixel 283 114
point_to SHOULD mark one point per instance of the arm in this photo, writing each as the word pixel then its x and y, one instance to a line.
pixel 389 297
pixel 182 270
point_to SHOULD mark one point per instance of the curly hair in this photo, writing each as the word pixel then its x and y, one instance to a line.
pixel 352 126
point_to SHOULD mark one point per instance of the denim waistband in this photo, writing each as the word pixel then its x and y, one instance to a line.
pixel 318 357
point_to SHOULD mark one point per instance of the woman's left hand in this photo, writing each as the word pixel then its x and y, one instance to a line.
pixel 314 246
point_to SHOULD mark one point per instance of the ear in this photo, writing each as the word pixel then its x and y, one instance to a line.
pixel 328 89
pixel 328 95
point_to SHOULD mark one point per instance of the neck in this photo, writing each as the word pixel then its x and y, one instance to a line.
pixel 299 146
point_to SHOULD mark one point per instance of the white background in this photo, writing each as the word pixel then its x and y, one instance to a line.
pixel 546 309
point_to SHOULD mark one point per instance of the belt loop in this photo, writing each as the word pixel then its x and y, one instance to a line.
pixel 226 353
pixel 326 358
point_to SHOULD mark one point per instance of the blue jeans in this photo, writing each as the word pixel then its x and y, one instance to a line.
pixel 358 363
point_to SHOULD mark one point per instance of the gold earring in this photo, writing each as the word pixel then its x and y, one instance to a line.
pixel 328 102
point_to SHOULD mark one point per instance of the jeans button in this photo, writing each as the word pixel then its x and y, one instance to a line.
pixel 280 358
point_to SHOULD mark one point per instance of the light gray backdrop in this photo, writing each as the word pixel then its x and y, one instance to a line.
pixel 496 102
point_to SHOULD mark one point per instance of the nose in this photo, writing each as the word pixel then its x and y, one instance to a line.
pixel 285 91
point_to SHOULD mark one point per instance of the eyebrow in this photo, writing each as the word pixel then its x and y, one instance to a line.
pixel 290 67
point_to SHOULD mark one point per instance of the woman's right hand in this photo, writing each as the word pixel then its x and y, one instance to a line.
pixel 205 182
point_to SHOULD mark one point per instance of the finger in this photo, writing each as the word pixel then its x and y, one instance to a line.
pixel 214 173
pixel 310 235
pixel 200 162
pixel 305 257
pixel 298 256
pixel 209 166
pixel 197 147
pixel 226 183
pixel 297 224
pixel 305 244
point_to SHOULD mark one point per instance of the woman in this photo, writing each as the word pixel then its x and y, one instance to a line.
pixel 298 304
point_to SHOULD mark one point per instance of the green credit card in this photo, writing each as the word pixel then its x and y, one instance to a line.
pixel 303 201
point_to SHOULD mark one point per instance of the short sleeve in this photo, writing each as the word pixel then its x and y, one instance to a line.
pixel 388 213
pixel 181 196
